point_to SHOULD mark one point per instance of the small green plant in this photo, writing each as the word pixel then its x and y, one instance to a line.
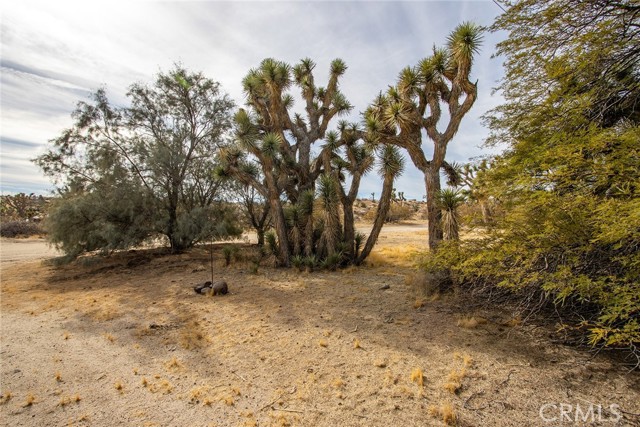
pixel 332 261
pixel 229 252
pixel 449 200
pixel 298 261
pixel 309 263
pixel 272 243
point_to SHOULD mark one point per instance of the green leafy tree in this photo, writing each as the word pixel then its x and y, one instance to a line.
pixel 127 174
pixel 569 182
pixel 415 104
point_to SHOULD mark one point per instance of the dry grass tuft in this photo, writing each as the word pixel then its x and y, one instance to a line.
pixel 425 287
pixel 356 343
pixel 66 400
pixel 174 363
pixel 228 400
pixel 144 382
pixel 445 412
pixel 119 386
pixel 454 380
pixel 58 377
pixel 470 322
pixel 417 376
pixel 323 343
pixel 29 400
pixel 516 321
pixel 109 337
pixel 338 383
pixel 192 336
pixel 404 256
pixel 380 363
pixel 66 335
pixel 166 387
pixel 352 269
pixel 6 396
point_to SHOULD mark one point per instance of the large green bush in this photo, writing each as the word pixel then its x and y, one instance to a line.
pixel 568 184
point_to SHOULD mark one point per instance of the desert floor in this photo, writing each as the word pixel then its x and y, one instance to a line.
pixel 125 340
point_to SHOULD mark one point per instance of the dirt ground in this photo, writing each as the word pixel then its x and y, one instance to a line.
pixel 20 250
pixel 126 341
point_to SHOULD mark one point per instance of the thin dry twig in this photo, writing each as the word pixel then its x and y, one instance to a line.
pixel 507 380
pixel 239 376
pixel 479 393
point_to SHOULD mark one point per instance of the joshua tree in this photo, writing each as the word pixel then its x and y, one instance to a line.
pixel 276 145
pixel 449 200
pixel 415 104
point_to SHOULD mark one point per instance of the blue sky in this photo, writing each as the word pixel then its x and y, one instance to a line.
pixel 55 53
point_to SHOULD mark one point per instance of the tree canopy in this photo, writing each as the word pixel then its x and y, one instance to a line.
pixel 128 174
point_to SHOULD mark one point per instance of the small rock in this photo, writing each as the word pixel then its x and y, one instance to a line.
pixel 220 288
pixel 384 287
pixel 202 287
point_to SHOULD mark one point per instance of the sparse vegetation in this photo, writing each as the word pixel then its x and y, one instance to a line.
pixel 404 331
pixel 445 412
pixel 417 376
pixel 29 400
pixel 471 322
pixel 6 396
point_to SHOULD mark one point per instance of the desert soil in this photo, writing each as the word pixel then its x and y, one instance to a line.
pixel 126 341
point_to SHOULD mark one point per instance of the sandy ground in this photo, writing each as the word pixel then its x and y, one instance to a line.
pixel 125 341
pixel 20 250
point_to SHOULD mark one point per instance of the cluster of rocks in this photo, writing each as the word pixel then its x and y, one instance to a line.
pixel 216 288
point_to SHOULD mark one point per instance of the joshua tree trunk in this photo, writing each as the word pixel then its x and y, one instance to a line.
pixel 381 215
pixel 349 227
pixel 434 214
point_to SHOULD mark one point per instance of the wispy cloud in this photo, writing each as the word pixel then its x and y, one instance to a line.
pixel 55 53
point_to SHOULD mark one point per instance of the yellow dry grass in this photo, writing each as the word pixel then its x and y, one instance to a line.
pixel 29 400
pixel 417 376
pixel 173 363
pixel 445 412
pixel 471 322
pixel 6 396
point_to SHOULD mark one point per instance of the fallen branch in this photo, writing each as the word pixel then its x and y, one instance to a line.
pixel 464 405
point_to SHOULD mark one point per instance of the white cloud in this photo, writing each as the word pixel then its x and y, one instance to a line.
pixel 55 53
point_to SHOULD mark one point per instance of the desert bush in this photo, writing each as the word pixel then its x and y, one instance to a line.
pixel 397 212
pixel 20 229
